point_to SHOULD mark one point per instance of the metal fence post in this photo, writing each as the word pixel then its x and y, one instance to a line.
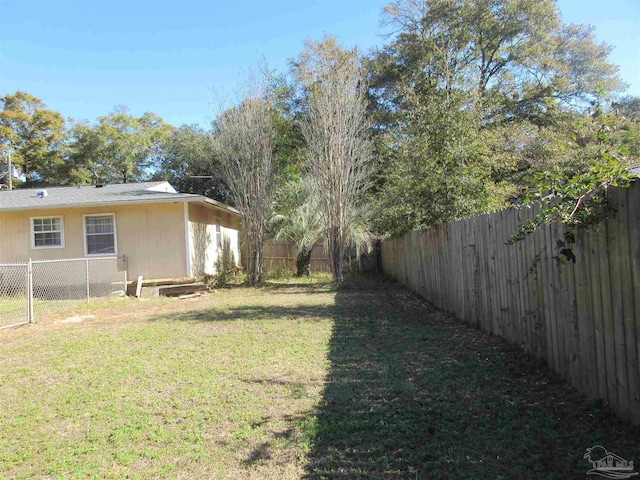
pixel 124 260
pixel 30 316
pixel 87 276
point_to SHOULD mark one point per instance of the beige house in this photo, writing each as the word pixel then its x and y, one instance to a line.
pixel 163 234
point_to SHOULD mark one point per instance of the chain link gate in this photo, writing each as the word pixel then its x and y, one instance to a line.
pixel 28 289
pixel 14 294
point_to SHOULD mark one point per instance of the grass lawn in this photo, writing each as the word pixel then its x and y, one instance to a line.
pixel 292 380
pixel 13 310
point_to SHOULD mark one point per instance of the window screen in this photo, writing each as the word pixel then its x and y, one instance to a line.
pixel 101 234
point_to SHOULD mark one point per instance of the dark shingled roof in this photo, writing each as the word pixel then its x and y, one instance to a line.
pixel 91 195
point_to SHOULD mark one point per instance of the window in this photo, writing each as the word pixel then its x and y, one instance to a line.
pixel 100 234
pixel 219 238
pixel 47 232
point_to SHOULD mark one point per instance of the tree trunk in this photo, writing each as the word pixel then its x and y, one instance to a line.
pixel 256 277
pixel 335 255
pixel 303 263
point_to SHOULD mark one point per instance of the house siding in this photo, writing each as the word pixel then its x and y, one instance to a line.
pixel 152 237
pixel 203 222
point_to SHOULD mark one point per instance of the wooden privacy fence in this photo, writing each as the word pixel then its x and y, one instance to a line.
pixel 279 255
pixel 582 314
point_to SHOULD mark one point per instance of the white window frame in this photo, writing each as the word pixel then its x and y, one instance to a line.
pixel 218 233
pixel 84 234
pixel 33 233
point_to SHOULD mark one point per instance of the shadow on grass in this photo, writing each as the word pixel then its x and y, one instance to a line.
pixel 251 313
pixel 307 287
pixel 312 285
pixel 414 393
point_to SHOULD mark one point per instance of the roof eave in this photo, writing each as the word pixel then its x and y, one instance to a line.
pixel 194 198
pixel 215 203
pixel 94 204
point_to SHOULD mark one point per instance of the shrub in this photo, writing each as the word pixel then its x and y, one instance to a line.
pixel 225 265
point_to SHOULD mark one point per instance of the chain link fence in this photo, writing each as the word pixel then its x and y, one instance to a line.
pixel 30 289
pixel 14 294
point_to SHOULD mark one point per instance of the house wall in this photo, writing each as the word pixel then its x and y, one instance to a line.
pixel 203 225
pixel 151 236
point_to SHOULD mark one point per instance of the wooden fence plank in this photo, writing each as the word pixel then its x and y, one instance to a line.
pixel 529 294
pixel 525 295
pixel 481 249
pixel 550 301
pixel 627 327
pixel 607 317
pixel 460 270
pixel 499 275
pixel 617 311
pixel 497 278
pixel 503 259
pixel 586 345
pixel 574 327
pixel 465 275
pixel 540 286
pixel 632 332
pixel 475 294
pixel 560 291
pixel 583 318
pixel 472 252
pixel 597 307
pixel 512 271
pixel 517 262
pixel 633 216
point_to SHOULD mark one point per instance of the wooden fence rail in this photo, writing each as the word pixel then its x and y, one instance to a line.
pixel 582 314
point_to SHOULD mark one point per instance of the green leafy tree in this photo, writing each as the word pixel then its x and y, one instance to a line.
pixel 628 107
pixel 287 101
pixel 457 79
pixel 33 135
pixel 436 175
pixel 576 193
pixel 187 153
pixel 119 148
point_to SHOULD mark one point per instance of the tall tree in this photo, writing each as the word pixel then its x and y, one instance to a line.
pixel 458 76
pixel 243 140
pixel 516 55
pixel 119 148
pixel 287 101
pixel 337 137
pixel 33 135
pixel 628 107
pixel 186 154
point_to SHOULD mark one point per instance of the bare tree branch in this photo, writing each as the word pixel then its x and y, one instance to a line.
pixel 243 141
pixel 336 131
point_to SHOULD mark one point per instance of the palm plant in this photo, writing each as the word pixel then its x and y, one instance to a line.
pixel 299 223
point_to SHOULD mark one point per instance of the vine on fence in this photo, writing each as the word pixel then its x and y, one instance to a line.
pixel 578 199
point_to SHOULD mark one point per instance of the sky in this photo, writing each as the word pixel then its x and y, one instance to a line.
pixel 84 57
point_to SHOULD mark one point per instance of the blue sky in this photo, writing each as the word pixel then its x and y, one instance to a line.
pixel 82 58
